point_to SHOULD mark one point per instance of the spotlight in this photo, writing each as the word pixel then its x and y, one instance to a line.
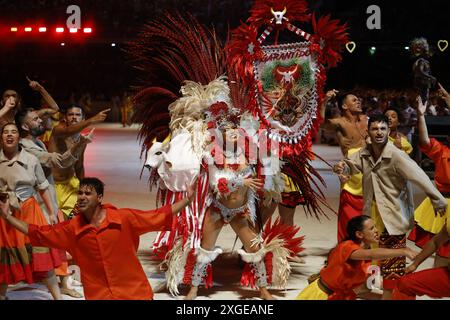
pixel 59 30
pixel 42 29
pixel 113 44
pixel 73 30
pixel 63 44
pixel 28 29
pixel 14 29
pixel 87 30
pixel 372 50
pixel 406 48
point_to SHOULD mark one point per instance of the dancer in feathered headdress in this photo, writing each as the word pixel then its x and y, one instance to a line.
pixel 176 52
pixel 229 182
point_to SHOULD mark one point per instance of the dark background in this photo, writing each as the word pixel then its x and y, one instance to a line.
pixel 90 64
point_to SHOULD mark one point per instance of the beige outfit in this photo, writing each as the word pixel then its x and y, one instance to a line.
pixel 38 149
pixel 386 182
pixel 19 177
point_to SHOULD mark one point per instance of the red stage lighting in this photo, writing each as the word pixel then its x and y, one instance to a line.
pixel 14 29
pixel 87 30
pixel 28 29
pixel 73 30
pixel 59 30
pixel 42 29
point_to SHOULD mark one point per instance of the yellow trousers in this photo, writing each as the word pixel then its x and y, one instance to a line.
pixel 312 292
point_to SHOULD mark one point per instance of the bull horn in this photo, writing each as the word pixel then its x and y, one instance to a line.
pixel 271 11
pixel 167 139
pixel 284 10
pixel 154 141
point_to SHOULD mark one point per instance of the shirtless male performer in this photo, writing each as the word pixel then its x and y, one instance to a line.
pixel 351 133
pixel 64 136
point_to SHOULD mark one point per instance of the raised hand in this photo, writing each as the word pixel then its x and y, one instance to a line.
pixel 254 184
pixel 331 94
pixel 444 94
pixel 36 86
pixel 10 103
pixel 100 117
pixel 421 107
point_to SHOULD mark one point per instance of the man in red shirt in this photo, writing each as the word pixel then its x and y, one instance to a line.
pixel 104 241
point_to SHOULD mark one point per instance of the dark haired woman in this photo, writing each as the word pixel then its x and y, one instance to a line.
pixel 347 264
pixel 396 137
pixel 21 178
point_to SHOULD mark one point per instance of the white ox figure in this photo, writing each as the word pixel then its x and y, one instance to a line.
pixel 177 164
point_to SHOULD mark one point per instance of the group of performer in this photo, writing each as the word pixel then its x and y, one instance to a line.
pixel 227 132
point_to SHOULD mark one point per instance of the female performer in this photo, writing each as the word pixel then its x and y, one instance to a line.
pixel 21 177
pixel 347 264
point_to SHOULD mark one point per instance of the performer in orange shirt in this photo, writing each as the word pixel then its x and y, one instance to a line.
pixel 103 240
pixel 427 222
pixel 347 264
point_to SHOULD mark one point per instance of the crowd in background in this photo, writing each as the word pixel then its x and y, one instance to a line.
pixel 378 101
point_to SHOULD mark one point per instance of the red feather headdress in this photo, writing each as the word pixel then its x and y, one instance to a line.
pixel 169 51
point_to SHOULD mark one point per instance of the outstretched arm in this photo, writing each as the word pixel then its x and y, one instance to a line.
pixel 409 170
pixel 67 131
pixel 36 86
pixel 382 253
pixel 436 242
pixel 160 219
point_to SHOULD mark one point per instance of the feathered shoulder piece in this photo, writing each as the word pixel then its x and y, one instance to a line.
pixel 196 100
pixel 170 50
pixel 331 36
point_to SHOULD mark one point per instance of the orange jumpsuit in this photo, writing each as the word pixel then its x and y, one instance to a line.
pixel 109 266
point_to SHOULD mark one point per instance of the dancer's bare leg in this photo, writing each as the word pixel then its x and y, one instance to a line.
pixel 286 215
pixel 65 289
pixel 52 284
pixel 211 229
pixel 3 289
pixel 266 214
pixel 246 235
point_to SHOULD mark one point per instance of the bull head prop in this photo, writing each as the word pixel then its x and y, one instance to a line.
pixel 278 16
